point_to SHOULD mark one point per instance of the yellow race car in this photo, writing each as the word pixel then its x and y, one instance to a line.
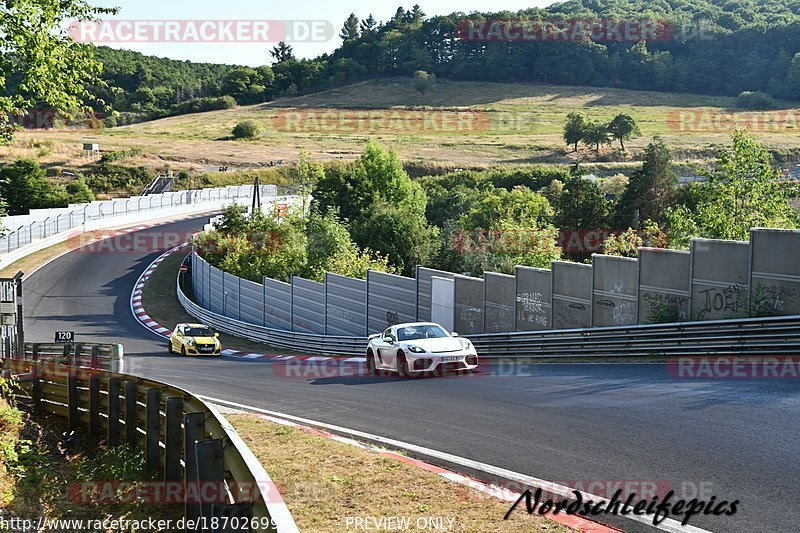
pixel 194 339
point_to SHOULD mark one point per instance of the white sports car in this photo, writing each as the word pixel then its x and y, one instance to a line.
pixel 417 348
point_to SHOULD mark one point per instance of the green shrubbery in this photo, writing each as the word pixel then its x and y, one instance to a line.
pixel 247 129
pixel 24 186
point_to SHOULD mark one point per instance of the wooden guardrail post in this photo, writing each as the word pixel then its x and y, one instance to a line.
pixel 36 385
pixel 194 430
pixel 210 470
pixel 131 417
pixel 152 449
pixel 72 400
pixel 94 407
pixel 113 411
pixel 95 356
pixel 173 440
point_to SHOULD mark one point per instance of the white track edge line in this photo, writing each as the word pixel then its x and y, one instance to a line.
pixel 670 525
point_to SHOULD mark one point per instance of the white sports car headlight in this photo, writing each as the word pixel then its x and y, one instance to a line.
pixel 466 344
pixel 416 349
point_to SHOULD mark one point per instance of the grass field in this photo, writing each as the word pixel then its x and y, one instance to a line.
pixel 469 123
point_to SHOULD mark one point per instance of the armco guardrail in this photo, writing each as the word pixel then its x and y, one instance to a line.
pixel 45 227
pixel 188 444
pixel 106 357
pixel 755 336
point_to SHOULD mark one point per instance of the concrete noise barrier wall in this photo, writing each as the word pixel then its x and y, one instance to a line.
pixel 720 279
pixel 391 300
pixel 345 306
pixel 663 285
pixel 251 302
pixel 277 304
pixel 572 295
pixel 443 302
pixel 499 296
pixel 469 303
pixel 308 306
pixel 775 274
pixel 615 290
pixel 534 294
pixel 424 276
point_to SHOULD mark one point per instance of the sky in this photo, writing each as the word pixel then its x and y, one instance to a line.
pixel 330 13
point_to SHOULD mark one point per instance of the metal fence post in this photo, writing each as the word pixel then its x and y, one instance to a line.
pixel 210 470
pixel 72 400
pixel 131 421
pixel 194 430
pixel 94 407
pixel 153 450
pixel 173 440
pixel 113 411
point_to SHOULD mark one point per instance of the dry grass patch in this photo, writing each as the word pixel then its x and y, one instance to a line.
pixel 323 482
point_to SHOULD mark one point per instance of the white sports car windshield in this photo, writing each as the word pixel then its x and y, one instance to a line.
pixel 420 332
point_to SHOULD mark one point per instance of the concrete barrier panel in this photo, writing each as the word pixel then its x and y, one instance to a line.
pixel 663 285
pixel 572 295
pixel 230 302
pixel 615 290
pixel 251 302
pixel 775 275
pixel 499 298
pixel 469 305
pixel 345 306
pixel 308 306
pixel 277 304
pixel 534 294
pixel 391 300
pixel 215 292
pixel 443 302
pixel 720 279
pixel 424 276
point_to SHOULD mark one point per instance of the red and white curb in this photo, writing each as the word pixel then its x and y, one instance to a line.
pixel 488 490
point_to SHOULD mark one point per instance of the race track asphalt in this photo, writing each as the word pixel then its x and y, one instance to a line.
pixel 570 423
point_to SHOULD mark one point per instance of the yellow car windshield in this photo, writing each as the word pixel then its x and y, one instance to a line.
pixel 199 332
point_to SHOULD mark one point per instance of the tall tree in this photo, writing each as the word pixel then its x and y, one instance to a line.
pixel 650 190
pixel 744 191
pixel 350 29
pixel 40 63
pixel 282 52
pixel 24 186
pixel 575 128
pixel 623 127
pixel 368 26
pixel 596 134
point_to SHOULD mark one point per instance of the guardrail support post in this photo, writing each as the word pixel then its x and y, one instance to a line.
pixel 153 451
pixel 94 407
pixel 131 418
pixel 36 385
pixel 72 400
pixel 95 356
pixel 173 440
pixel 194 430
pixel 113 411
pixel 210 469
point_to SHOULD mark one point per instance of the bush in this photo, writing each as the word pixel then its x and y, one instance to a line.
pixel 107 178
pixel 248 129
pixel 755 100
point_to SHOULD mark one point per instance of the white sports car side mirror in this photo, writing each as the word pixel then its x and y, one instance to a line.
pixel 454 334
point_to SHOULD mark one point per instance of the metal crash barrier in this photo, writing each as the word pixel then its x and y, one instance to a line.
pixel 187 442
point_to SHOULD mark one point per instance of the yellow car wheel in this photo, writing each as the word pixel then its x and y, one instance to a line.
pixel 183 351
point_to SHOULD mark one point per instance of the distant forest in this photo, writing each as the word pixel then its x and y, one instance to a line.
pixel 716 47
